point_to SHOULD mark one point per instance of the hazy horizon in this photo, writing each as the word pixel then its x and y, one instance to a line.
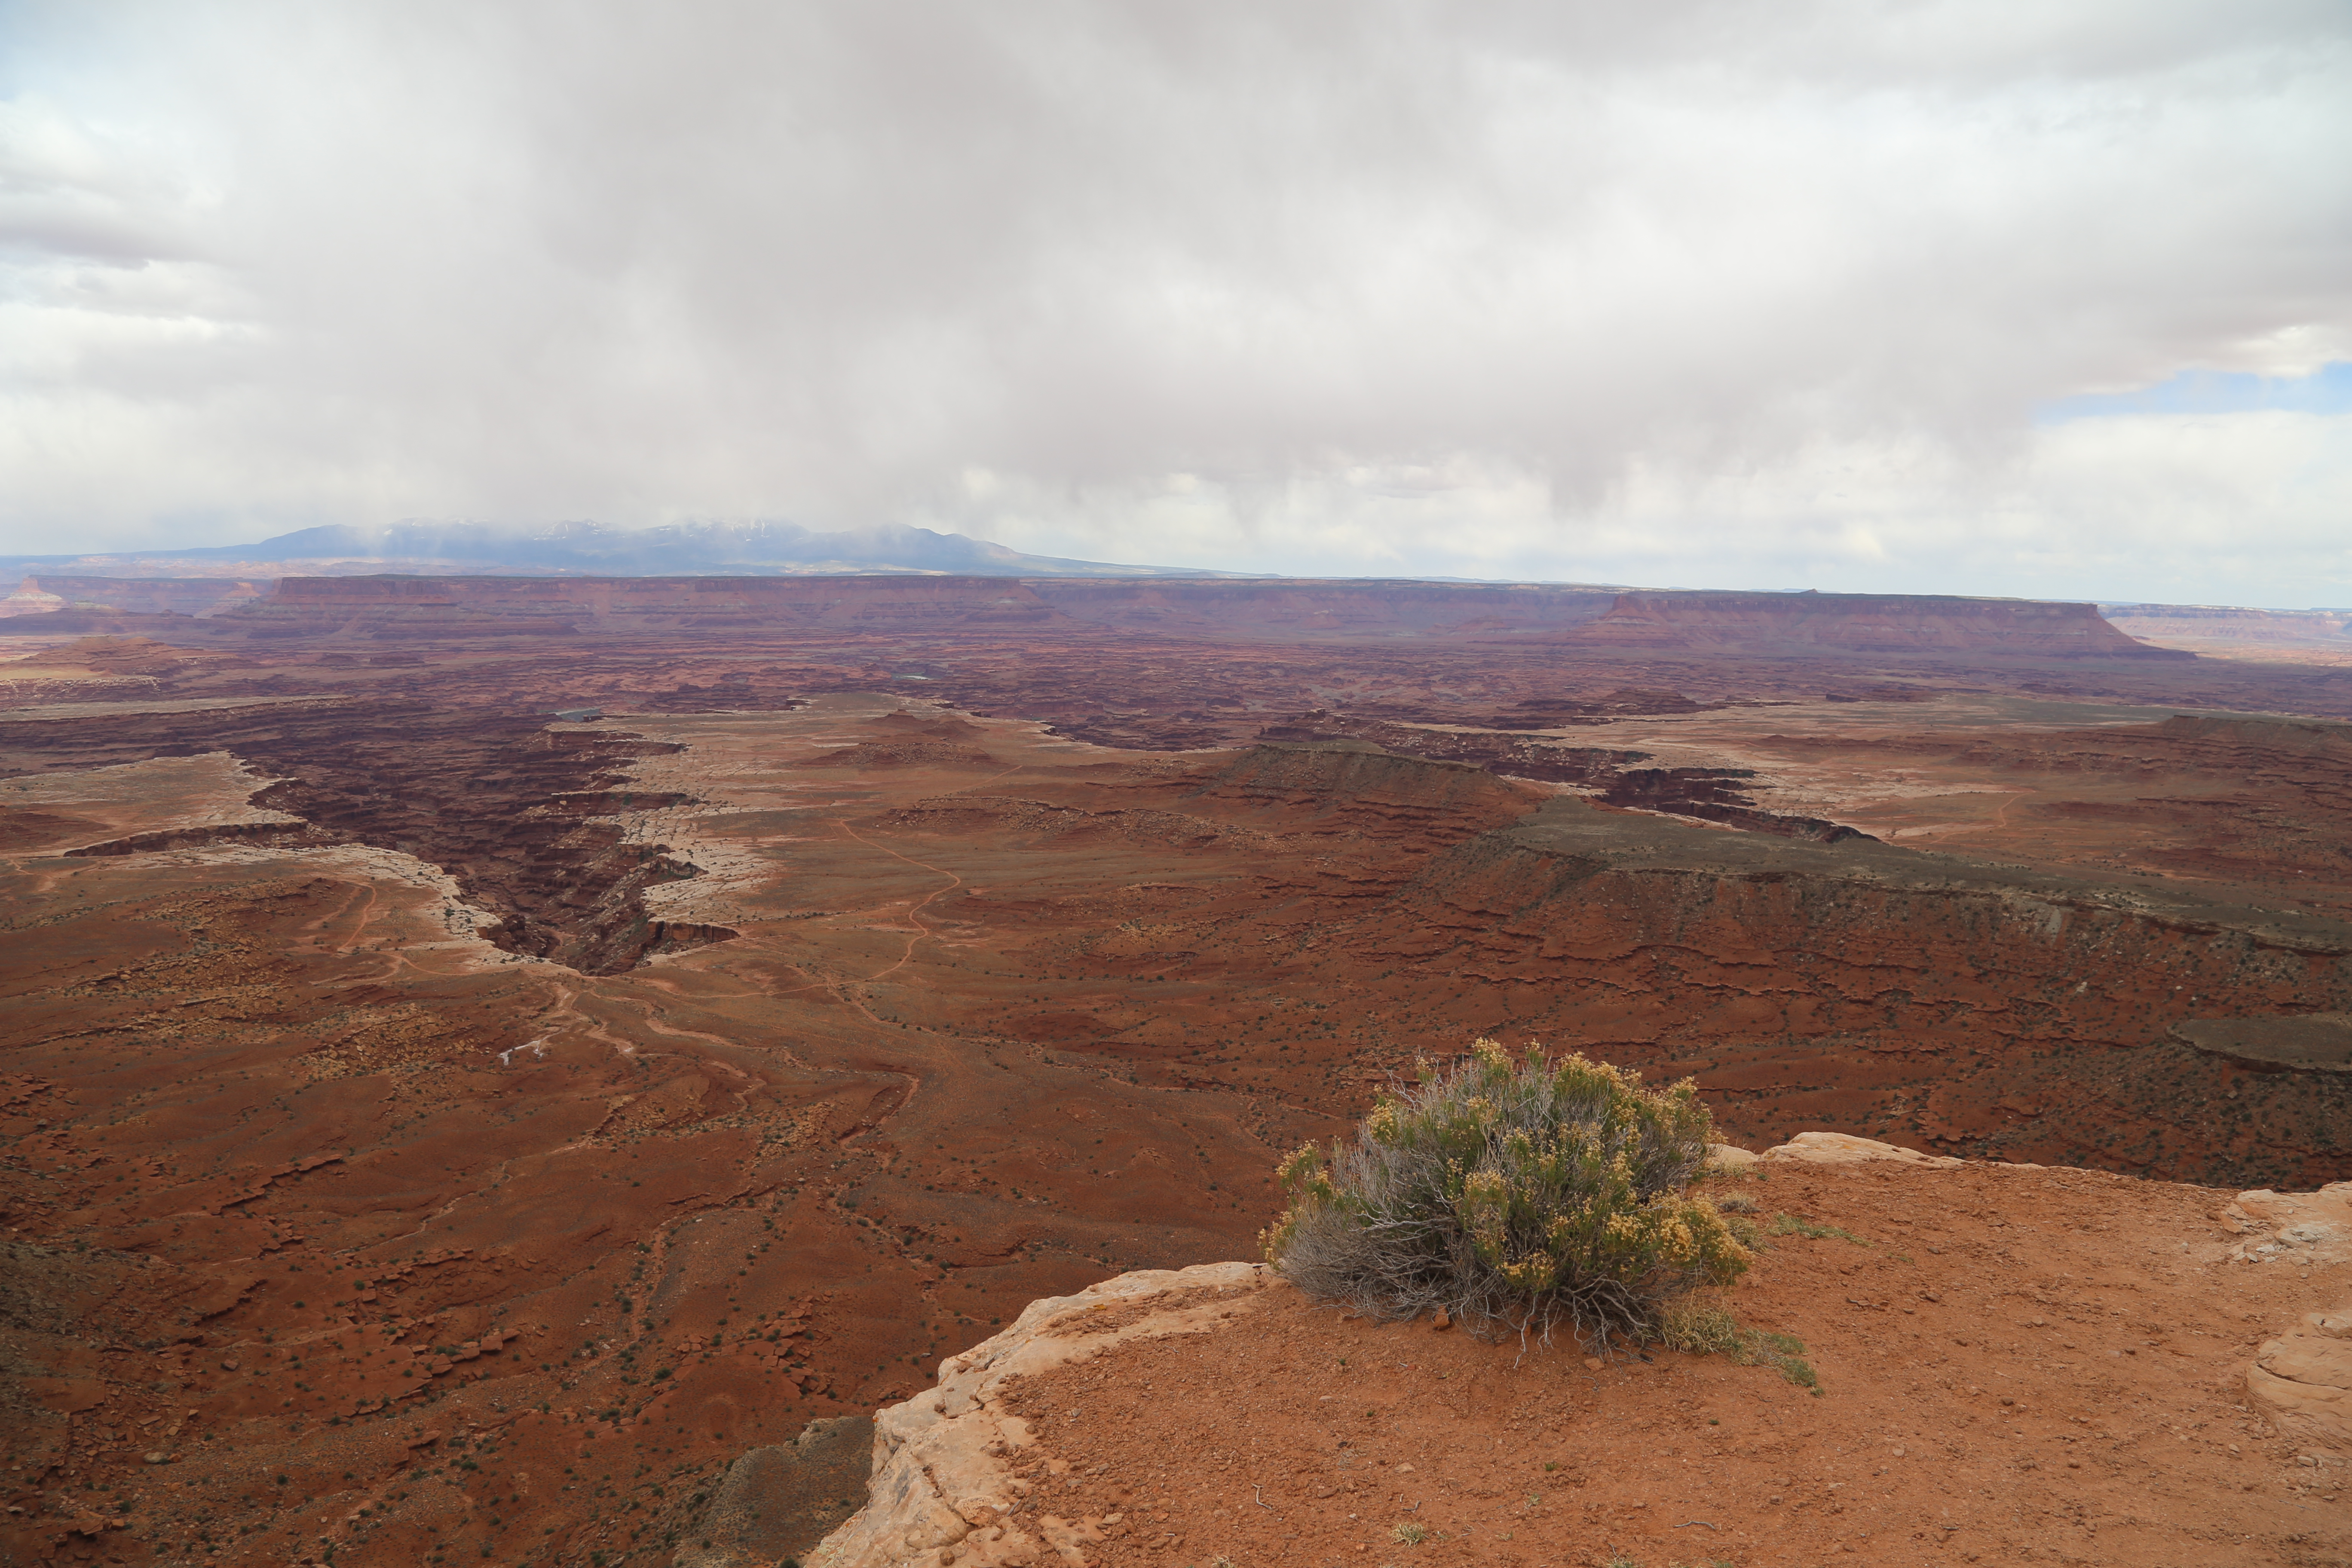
pixel 2001 299
pixel 219 557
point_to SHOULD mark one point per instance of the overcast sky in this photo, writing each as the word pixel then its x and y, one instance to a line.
pixel 2028 297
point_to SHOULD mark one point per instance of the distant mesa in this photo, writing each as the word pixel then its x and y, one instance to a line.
pixel 2221 625
pixel 1860 623
pixel 416 577
pixel 400 605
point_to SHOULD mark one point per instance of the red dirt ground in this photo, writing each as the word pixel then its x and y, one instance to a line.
pixel 2015 1366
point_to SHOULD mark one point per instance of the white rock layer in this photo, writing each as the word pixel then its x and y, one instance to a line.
pixel 1844 1149
pixel 944 1489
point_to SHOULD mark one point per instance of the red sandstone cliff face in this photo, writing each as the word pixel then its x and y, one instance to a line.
pixel 1860 623
pixel 1940 1000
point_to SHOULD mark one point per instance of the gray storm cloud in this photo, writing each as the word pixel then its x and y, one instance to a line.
pixel 1685 291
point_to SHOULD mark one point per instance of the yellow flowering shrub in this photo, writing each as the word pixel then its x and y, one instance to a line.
pixel 1512 1192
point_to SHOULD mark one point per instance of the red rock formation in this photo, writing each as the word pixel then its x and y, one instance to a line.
pixel 1980 1008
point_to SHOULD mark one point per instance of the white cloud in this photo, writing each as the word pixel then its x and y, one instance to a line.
pixel 2235 508
pixel 1700 291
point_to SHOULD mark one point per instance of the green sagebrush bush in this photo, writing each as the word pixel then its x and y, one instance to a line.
pixel 1512 1194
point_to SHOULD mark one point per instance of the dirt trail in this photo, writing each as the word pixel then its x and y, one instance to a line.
pixel 915 911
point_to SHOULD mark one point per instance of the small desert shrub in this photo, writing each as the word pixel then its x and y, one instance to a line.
pixel 1797 1225
pixel 1524 1192
pixel 1706 1328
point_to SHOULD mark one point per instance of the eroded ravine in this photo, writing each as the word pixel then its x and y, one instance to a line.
pixel 518 811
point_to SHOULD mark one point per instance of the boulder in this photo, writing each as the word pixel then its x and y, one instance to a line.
pixel 2303 1380
pixel 1844 1149
pixel 2299 1228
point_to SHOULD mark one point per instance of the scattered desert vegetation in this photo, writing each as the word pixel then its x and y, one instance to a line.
pixel 1698 1327
pixel 1517 1194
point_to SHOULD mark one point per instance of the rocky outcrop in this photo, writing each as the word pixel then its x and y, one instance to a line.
pixel 944 1489
pixel 1843 1149
pixel 2302 1228
pixel 2302 1379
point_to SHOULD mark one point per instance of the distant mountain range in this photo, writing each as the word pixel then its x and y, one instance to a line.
pixel 590 549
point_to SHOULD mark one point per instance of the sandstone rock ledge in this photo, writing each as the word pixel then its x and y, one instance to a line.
pixel 2304 1379
pixel 947 1485
pixel 943 1490
pixel 1845 1149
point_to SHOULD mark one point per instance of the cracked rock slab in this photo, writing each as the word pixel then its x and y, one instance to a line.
pixel 2302 1379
